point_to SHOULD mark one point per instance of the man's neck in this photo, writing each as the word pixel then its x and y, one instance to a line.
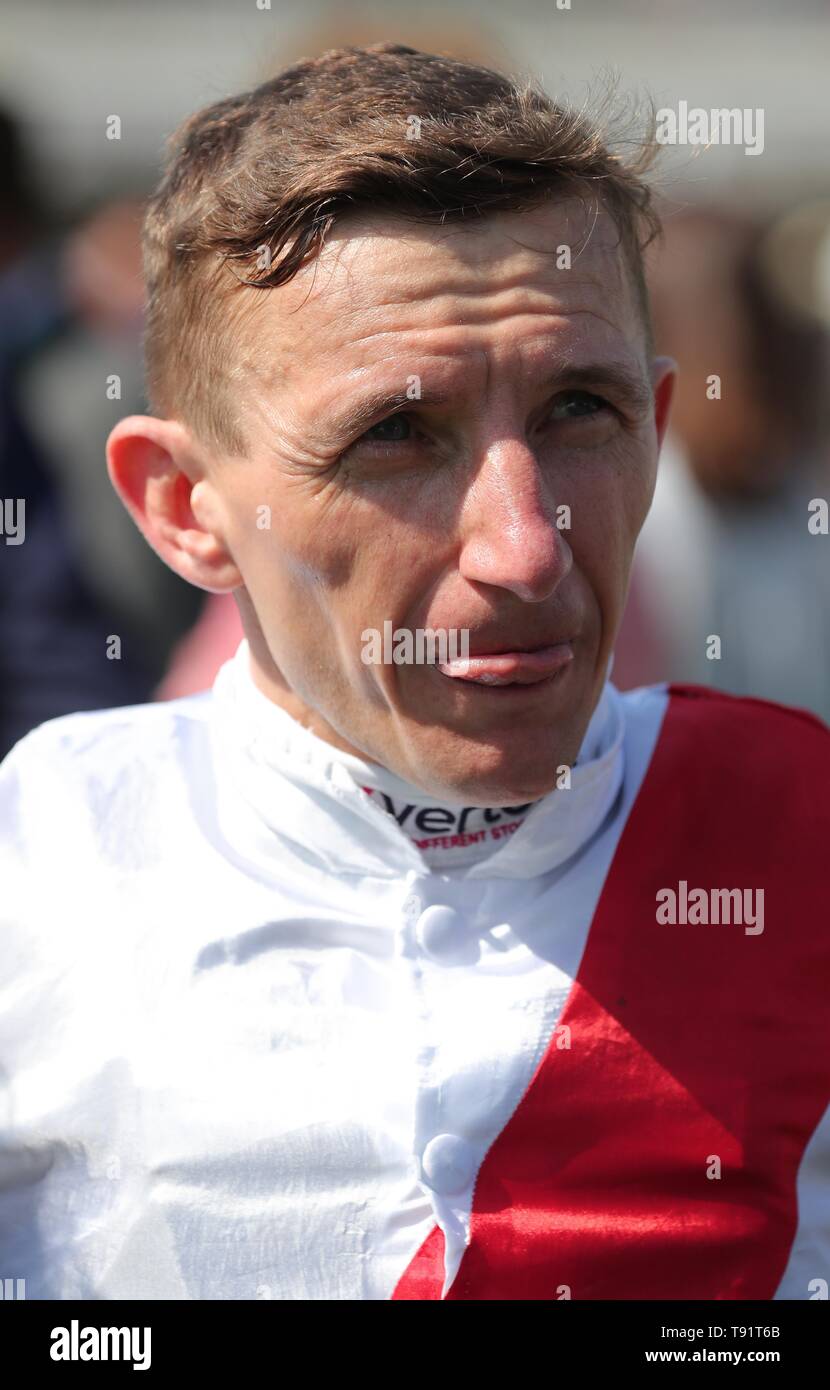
pixel 270 681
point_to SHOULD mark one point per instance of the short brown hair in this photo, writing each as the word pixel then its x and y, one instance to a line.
pixel 276 166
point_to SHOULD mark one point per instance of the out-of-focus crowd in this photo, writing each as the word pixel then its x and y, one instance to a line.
pixel 731 578
pixel 77 573
pixel 730 586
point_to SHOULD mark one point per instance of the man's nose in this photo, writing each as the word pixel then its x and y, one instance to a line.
pixel 510 538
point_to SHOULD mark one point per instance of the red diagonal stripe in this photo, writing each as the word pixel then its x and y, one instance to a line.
pixel 687 1041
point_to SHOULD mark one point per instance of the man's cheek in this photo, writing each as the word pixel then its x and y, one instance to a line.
pixel 633 493
pixel 312 559
pixel 603 545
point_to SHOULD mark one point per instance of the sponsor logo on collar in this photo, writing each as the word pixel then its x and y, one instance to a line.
pixel 447 828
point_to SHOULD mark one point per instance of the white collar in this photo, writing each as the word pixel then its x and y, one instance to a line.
pixel 284 791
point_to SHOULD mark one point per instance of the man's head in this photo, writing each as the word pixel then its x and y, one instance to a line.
pixel 436 408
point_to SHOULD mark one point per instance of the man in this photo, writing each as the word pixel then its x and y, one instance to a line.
pixel 365 977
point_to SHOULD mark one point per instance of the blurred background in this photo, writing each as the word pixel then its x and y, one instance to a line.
pixel 740 286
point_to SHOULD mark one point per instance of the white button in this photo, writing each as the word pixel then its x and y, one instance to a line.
pixel 411 907
pixel 448 1164
pixel 440 932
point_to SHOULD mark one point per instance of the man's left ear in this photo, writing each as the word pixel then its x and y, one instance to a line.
pixel 663 377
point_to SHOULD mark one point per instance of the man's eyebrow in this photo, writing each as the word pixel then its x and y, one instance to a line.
pixel 624 382
pixel 371 408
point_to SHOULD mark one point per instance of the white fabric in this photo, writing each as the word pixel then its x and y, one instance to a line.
pixel 253 1046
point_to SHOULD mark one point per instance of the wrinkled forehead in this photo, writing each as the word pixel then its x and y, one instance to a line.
pixel 370 261
pixel 382 278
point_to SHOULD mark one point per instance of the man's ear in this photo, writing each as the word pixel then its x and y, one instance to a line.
pixel 161 478
pixel 663 377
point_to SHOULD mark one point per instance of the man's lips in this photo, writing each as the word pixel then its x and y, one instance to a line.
pixel 510 668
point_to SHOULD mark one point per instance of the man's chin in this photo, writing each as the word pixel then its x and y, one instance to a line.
pixel 512 760
pixel 474 773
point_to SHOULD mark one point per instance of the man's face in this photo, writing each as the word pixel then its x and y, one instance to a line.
pixel 445 512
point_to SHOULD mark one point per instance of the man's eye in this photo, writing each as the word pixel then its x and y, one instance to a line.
pixel 573 405
pixel 388 431
pixel 568 405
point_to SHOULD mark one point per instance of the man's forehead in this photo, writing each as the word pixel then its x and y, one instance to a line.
pixel 367 255
pixel 380 276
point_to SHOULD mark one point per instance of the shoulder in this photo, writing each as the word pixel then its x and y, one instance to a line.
pixel 767 758
pixel 94 761
pixel 710 713
pixel 717 710
pixel 125 730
